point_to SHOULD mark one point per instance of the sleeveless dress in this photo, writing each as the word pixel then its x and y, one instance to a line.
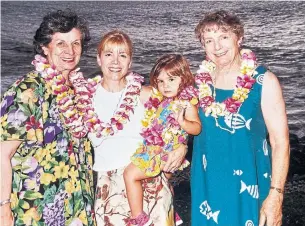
pixel 231 171
pixel 148 157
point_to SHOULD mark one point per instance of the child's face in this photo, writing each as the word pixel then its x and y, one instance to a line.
pixel 168 85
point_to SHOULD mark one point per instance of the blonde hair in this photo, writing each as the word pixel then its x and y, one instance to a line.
pixel 115 37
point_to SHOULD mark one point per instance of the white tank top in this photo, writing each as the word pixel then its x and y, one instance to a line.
pixel 115 151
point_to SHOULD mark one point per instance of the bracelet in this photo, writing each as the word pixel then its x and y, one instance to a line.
pixel 2 203
pixel 279 190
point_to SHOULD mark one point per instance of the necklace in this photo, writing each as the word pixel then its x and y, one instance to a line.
pixel 84 90
pixel 64 95
pixel 207 98
pixel 154 131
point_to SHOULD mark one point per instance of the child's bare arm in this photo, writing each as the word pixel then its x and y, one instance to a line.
pixel 188 119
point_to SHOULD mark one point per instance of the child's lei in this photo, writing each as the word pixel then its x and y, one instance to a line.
pixel 161 135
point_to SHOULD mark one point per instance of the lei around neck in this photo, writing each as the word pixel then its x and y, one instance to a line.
pixel 161 134
pixel 244 84
pixel 64 96
pixel 76 108
pixel 84 90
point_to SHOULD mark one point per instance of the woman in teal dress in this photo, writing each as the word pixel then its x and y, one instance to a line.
pixel 241 104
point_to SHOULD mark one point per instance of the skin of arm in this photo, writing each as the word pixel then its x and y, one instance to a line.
pixel 274 113
pixel 174 158
pixel 8 149
pixel 188 119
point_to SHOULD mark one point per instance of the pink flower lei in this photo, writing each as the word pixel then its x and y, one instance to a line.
pixel 153 132
pixel 76 108
pixel 244 85
pixel 84 90
pixel 64 96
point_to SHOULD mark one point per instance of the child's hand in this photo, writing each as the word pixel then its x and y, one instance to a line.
pixel 179 113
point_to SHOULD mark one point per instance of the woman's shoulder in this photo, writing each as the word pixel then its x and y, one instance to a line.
pixel 31 81
pixel 145 93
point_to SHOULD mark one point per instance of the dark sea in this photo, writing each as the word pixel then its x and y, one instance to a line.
pixel 275 31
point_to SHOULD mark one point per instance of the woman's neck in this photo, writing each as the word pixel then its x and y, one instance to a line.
pixel 228 69
pixel 65 74
pixel 113 86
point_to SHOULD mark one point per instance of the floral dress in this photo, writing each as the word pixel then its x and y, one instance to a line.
pixel 52 180
pixel 163 136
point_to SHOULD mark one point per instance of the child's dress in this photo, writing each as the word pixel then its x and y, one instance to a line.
pixel 162 133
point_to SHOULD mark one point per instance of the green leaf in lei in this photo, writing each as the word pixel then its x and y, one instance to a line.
pixel 32 195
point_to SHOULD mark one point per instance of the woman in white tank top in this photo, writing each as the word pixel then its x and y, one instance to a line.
pixel 118 104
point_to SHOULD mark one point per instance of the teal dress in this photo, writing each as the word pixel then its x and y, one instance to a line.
pixel 231 166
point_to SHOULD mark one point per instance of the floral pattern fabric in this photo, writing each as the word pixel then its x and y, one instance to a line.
pixel 150 156
pixel 111 205
pixel 52 172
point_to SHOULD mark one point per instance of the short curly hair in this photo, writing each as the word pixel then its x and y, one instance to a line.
pixel 175 65
pixel 63 22
pixel 222 20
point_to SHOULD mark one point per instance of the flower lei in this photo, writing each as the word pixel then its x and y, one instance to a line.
pixel 78 115
pixel 153 132
pixel 64 95
pixel 244 84
pixel 84 90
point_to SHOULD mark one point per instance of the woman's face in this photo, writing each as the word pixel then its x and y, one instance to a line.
pixel 114 61
pixel 64 50
pixel 220 46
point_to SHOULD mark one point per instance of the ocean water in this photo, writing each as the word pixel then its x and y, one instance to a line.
pixel 274 30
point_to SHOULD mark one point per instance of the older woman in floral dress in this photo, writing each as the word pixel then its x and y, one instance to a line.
pixel 46 169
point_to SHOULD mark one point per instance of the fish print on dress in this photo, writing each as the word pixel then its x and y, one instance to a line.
pixel 237 121
pixel 260 79
pixel 249 223
pixel 206 210
pixel 204 162
pixel 252 189
pixel 265 147
pixel 237 172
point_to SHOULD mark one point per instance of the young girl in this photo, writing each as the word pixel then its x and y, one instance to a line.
pixel 170 115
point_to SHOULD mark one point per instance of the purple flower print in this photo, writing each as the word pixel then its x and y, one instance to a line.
pixel 62 145
pixel 33 182
pixel 53 213
pixel 29 165
pixel 50 131
pixel 16 117
pixel 6 102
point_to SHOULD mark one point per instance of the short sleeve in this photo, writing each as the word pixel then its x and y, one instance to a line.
pixel 21 114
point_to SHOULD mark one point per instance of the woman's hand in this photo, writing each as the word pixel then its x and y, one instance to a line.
pixel 175 159
pixel 271 211
pixel 6 215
